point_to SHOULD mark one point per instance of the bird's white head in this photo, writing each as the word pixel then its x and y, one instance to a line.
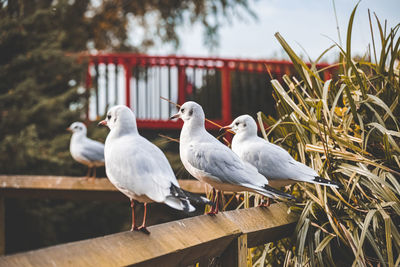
pixel 120 117
pixel 77 127
pixel 191 112
pixel 244 124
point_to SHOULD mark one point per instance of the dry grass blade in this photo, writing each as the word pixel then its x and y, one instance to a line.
pixel 346 129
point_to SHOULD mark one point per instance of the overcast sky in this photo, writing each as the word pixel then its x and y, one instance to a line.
pixel 301 22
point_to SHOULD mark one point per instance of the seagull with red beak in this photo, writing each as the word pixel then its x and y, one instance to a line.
pixel 84 150
pixel 271 160
pixel 210 161
pixel 139 169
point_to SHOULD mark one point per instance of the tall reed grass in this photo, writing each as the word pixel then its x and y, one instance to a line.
pixel 347 129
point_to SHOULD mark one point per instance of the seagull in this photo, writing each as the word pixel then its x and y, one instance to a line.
pixel 84 150
pixel 139 169
pixel 271 160
pixel 210 161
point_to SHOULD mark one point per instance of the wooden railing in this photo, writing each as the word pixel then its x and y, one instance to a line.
pixel 75 188
pixel 225 237
pixel 71 187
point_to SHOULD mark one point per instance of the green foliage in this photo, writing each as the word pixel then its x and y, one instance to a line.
pixel 347 129
pixel 39 83
pixel 35 93
pixel 105 24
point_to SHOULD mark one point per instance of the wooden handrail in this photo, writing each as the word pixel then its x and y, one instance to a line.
pixel 177 243
pixel 78 188
pixel 40 182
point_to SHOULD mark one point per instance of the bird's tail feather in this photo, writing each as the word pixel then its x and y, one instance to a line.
pixel 269 191
pixel 179 204
pixel 187 198
pixel 196 199
pixel 323 181
pixel 278 193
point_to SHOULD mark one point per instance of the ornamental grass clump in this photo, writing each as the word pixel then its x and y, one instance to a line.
pixel 347 129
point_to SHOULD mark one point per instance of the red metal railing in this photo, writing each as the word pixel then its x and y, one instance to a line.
pixel 225 87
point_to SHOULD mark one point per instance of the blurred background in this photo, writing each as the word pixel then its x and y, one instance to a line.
pixel 52 74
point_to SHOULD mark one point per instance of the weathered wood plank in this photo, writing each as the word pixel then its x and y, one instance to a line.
pixel 236 253
pixel 38 182
pixel 171 244
pixel 262 224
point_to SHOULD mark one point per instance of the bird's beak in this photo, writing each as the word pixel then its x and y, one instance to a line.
pixel 102 123
pixel 177 115
pixel 225 127
pixel 69 129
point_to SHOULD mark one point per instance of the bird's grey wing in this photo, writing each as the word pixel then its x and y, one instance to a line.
pixel 93 150
pixel 222 163
pixel 276 163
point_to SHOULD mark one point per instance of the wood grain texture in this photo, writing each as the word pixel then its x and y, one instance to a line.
pixel 36 182
pixel 170 244
pixel 263 224
pixel 235 254
pixel 177 243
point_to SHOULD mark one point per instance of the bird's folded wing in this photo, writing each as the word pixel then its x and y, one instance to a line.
pixel 276 163
pixel 93 151
pixel 220 162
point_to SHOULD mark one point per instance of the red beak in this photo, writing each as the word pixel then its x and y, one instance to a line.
pixel 174 116
pixel 69 129
pixel 225 128
pixel 102 123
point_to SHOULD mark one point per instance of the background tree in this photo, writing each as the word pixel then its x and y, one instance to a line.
pixel 39 90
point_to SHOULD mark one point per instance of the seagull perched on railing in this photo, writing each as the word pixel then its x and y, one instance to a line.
pixel 210 161
pixel 84 150
pixel 271 160
pixel 139 169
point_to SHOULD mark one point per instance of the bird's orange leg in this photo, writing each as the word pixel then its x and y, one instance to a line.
pixel 94 174
pixel 264 203
pixel 88 173
pixel 219 196
pixel 143 226
pixel 134 228
pixel 213 195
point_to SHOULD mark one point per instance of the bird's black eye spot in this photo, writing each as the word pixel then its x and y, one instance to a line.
pixel 237 123
pixel 244 125
pixel 109 117
pixel 76 127
pixel 191 112
pixel 182 110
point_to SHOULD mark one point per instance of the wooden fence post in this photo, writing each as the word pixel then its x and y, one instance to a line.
pixel 236 253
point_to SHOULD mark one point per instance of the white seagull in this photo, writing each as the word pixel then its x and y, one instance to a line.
pixel 84 150
pixel 271 160
pixel 138 168
pixel 210 161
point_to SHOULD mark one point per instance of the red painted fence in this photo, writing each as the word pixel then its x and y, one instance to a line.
pixel 224 87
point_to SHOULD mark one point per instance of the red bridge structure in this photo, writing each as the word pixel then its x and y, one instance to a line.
pixel 224 87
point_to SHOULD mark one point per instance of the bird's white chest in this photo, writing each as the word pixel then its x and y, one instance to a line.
pixel 185 150
pixel 76 153
pixel 238 146
pixel 121 172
